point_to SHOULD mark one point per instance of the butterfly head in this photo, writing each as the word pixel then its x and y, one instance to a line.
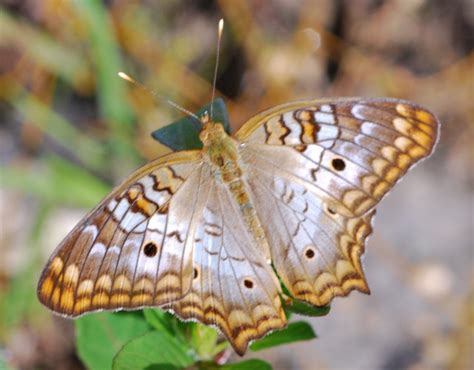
pixel 212 132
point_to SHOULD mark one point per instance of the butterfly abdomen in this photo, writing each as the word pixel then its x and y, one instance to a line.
pixel 223 154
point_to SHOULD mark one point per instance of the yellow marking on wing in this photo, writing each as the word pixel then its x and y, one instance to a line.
pixel 427 129
pixel 354 283
pixel 369 182
pixel 345 242
pixel 100 300
pixel 276 131
pixel 133 192
pixel 120 300
pixel 148 208
pixel 324 279
pixel 308 132
pixel 416 152
pixel 403 126
pixel 380 189
pixel 353 197
pixel 104 283
pixel 67 300
pixel 47 287
pixel 380 166
pixel 85 287
pixel 343 268
pixel 392 174
pixel 71 275
pixel 422 138
pixel 211 301
pixel 168 280
pixel 55 296
pixel 403 161
pixel 56 266
pixel 143 284
pixel 82 305
pixel 390 153
pixel 425 117
pixel 142 299
pixel 122 283
pixel 403 143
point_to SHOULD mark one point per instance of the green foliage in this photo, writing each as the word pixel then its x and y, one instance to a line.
pixel 100 336
pixel 295 331
pixel 184 133
pixel 248 365
pixel 301 308
pixel 252 364
pixel 157 348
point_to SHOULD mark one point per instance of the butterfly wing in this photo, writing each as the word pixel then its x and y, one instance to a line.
pixel 316 170
pixel 316 253
pixel 134 248
pixel 234 288
pixel 350 151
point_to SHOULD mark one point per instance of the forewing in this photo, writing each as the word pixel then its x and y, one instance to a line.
pixel 317 169
pixel 349 151
pixel 133 249
pixel 234 287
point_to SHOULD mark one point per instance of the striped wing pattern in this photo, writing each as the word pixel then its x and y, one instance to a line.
pixel 172 235
pixel 133 250
pixel 317 169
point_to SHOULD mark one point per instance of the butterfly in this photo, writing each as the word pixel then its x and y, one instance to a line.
pixel 209 234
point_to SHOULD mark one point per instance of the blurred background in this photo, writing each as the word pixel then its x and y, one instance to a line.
pixel 70 129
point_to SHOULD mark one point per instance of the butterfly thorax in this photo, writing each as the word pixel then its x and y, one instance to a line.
pixel 221 152
pixel 223 155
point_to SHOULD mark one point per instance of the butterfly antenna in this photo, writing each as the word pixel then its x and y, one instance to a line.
pixel 219 37
pixel 158 96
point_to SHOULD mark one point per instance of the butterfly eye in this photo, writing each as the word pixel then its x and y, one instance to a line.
pixel 150 249
pixel 248 283
pixel 338 164
pixel 195 273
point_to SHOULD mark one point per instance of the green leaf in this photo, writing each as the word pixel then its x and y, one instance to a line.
pixel 252 364
pixel 184 133
pixel 203 340
pixel 159 320
pixel 296 331
pixel 154 350
pixel 162 367
pixel 101 335
pixel 248 365
pixel 302 308
pixel 167 322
